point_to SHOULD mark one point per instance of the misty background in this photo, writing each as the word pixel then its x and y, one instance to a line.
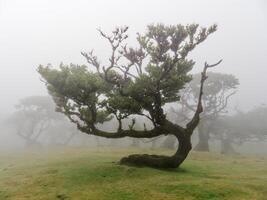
pixel 46 31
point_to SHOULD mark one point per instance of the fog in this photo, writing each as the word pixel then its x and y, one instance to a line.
pixel 45 31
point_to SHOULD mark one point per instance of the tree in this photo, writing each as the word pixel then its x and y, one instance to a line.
pixel 135 81
pixel 242 127
pixel 256 123
pixel 177 116
pixel 34 115
pixel 221 129
pixel 219 88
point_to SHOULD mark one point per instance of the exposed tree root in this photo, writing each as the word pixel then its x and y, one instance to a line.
pixel 155 161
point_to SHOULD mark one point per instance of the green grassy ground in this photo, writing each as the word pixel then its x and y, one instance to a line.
pixel 94 174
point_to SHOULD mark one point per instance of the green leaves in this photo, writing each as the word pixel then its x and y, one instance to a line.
pixel 75 89
pixel 122 104
pixel 135 80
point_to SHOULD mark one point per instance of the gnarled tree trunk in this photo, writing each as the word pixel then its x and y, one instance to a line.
pixel 160 161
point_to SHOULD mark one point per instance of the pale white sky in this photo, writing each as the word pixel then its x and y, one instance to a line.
pixel 34 32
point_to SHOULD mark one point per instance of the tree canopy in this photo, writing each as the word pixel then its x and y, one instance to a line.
pixel 135 81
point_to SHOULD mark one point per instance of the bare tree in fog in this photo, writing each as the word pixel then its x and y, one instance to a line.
pixel 240 128
pixel 137 81
pixel 34 115
pixel 256 121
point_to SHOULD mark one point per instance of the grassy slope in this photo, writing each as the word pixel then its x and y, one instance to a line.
pixel 84 174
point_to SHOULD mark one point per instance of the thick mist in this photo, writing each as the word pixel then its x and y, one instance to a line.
pixel 42 32
pixel 141 99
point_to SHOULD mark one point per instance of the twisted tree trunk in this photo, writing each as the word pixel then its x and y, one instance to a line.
pixel 160 161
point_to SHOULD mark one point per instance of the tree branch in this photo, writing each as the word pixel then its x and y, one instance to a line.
pixel 194 121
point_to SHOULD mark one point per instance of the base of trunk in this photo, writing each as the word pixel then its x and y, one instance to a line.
pixel 155 161
pixel 160 161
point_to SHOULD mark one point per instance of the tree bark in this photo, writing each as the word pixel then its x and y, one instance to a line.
pixel 160 161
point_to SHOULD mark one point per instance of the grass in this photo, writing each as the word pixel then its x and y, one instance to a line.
pixel 94 175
